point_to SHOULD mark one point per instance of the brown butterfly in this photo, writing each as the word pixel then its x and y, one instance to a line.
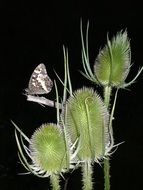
pixel 40 82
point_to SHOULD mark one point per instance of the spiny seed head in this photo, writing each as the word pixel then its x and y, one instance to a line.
pixel 114 61
pixel 86 121
pixel 48 149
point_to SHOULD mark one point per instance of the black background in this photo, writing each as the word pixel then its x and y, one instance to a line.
pixel 31 33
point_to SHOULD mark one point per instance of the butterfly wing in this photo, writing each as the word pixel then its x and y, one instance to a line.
pixel 40 82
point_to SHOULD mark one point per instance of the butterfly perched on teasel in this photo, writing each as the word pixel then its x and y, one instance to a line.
pixel 40 82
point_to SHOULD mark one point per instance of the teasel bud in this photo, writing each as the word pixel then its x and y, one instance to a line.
pixel 113 62
pixel 48 150
pixel 86 124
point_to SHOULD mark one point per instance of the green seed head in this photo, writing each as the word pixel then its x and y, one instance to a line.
pixel 113 62
pixel 48 149
pixel 86 121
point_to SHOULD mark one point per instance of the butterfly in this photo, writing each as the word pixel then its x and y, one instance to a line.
pixel 40 82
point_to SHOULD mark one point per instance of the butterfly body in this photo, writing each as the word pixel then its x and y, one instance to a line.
pixel 40 82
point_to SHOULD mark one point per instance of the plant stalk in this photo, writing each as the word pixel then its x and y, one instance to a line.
pixel 106 174
pixel 87 175
pixel 54 179
pixel 107 95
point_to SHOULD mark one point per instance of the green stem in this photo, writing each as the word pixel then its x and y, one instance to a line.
pixel 87 175
pixel 54 179
pixel 106 174
pixel 107 95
